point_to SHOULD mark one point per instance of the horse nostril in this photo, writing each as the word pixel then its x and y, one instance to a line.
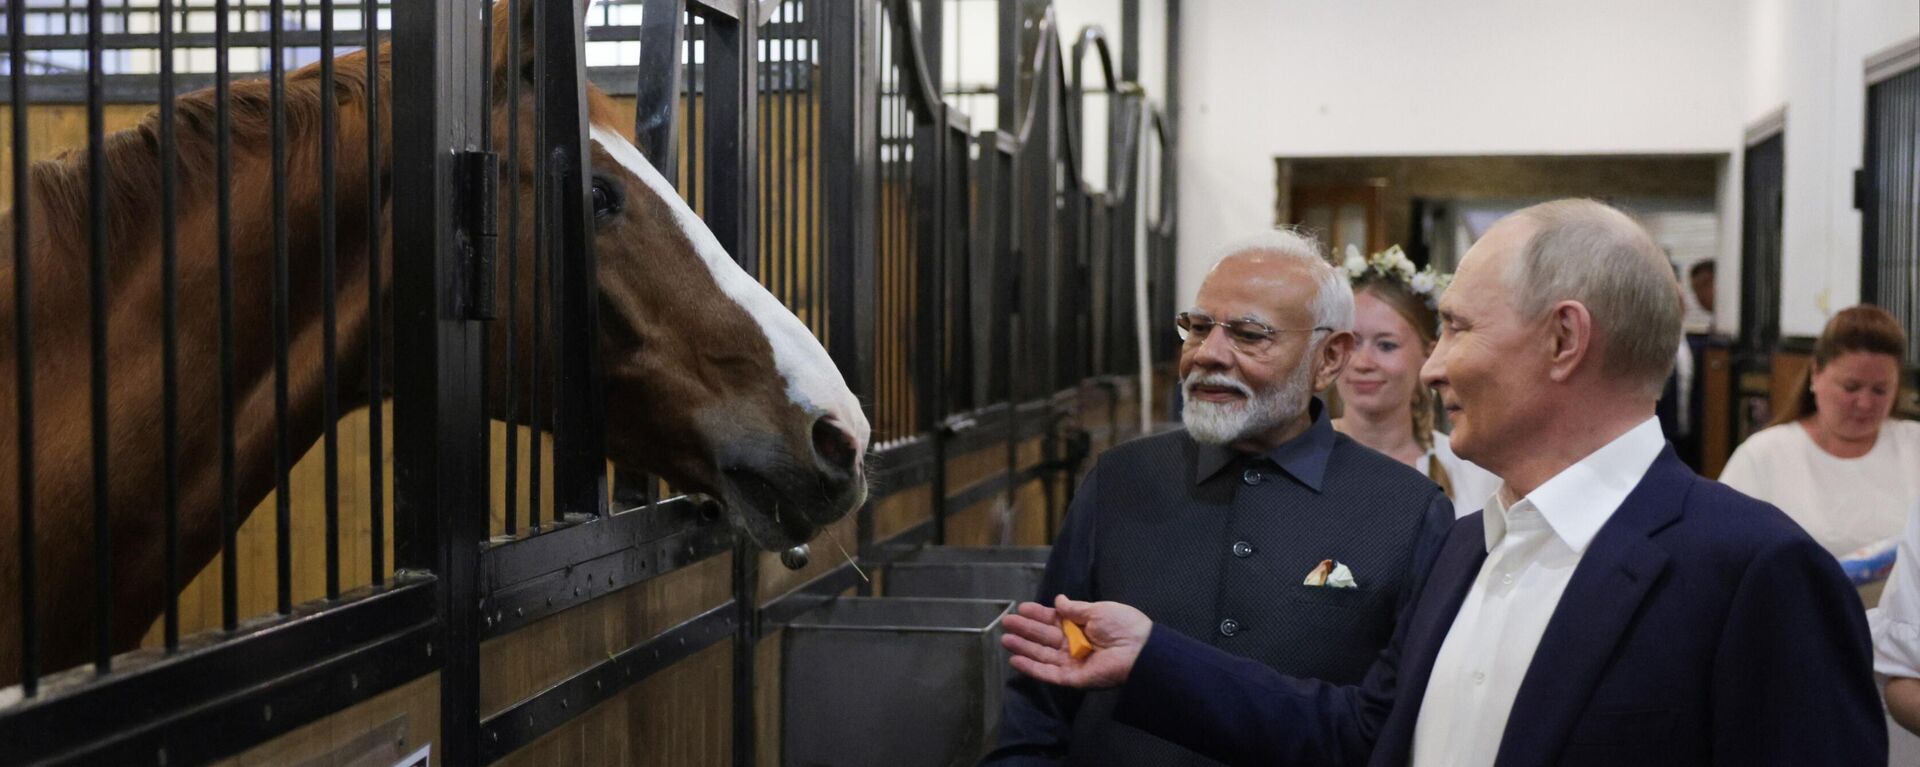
pixel 833 445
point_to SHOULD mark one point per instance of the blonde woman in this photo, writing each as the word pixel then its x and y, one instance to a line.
pixel 1385 407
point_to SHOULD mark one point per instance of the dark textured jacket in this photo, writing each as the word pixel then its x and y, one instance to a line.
pixel 1215 545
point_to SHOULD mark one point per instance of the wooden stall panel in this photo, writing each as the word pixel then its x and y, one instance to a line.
pixel 964 471
pixel 380 731
pixel 255 540
pixel 983 524
pixel 1716 422
pixel 56 128
pixel 902 510
pixel 522 663
pixel 680 716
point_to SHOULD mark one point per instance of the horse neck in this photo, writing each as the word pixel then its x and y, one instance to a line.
pixel 58 216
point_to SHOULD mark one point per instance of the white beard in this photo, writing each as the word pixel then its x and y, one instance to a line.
pixel 1219 424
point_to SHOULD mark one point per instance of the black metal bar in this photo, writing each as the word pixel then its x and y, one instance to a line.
pixel 696 93
pixel 98 289
pixel 376 328
pixel 439 416
pixel 579 438
pixel 816 230
pixel 932 40
pixel 657 83
pixel 851 196
pixel 583 562
pixel 229 451
pixel 169 330
pixel 746 615
pixel 732 181
pixel 282 447
pixel 224 694
pixel 790 195
pixel 329 298
pixel 23 347
pixel 732 188
pixel 511 388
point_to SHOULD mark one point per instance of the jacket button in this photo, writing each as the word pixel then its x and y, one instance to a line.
pixel 1229 627
pixel 1251 477
pixel 1242 549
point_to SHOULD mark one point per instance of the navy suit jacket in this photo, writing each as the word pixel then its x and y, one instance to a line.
pixel 1700 627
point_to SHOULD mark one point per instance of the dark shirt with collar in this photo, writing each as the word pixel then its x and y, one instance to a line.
pixel 1216 544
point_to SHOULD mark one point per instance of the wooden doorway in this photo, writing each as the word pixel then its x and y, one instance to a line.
pixel 1343 214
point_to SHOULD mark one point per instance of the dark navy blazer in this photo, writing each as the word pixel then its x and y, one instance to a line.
pixel 1700 627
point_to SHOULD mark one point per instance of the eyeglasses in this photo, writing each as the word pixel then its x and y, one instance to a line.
pixel 1246 336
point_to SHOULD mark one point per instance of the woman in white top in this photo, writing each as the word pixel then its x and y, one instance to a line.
pixel 1896 630
pixel 1386 407
pixel 1835 461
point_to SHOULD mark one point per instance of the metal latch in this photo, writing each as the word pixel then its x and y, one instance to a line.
pixel 477 231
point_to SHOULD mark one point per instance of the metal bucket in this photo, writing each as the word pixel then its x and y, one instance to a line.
pixel 967 572
pixel 892 682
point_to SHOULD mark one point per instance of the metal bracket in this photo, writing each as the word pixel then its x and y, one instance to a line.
pixel 477 178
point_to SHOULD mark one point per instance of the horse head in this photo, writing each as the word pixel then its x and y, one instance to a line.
pixel 711 383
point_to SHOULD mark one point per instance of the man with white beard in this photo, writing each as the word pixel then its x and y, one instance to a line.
pixel 1257 526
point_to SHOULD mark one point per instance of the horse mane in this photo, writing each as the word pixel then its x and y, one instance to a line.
pixel 60 184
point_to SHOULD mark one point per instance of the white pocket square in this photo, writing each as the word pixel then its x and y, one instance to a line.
pixel 1331 574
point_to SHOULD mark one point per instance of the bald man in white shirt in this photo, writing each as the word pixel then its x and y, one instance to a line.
pixel 1609 607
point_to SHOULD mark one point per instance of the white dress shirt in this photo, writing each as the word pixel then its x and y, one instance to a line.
pixel 1533 547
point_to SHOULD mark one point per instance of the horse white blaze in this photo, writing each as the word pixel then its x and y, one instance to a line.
pixel 813 382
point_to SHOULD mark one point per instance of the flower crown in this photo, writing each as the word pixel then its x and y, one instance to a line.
pixel 1393 264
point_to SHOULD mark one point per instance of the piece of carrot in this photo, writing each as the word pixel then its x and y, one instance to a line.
pixel 1077 644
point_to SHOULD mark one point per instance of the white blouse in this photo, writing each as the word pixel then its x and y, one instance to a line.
pixel 1896 622
pixel 1472 485
pixel 1844 503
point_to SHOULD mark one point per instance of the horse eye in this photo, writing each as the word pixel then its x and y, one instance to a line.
pixel 607 198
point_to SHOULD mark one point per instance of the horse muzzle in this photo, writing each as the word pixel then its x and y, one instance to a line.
pixel 782 500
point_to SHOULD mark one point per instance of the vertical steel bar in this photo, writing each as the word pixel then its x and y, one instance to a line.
pixel 761 135
pixel 282 446
pixel 579 448
pixel 439 417
pixel 657 91
pixel 98 290
pixel 23 342
pixel 696 106
pixel 789 157
pixel 376 326
pixel 847 101
pixel 229 493
pixel 329 298
pixel 511 488
pixel 169 329
pixel 537 313
pixel 816 234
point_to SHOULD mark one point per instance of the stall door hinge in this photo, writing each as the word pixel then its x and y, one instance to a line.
pixel 476 230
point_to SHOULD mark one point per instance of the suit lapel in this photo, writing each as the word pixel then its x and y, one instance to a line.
pixel 1614 576
pixel 1454 571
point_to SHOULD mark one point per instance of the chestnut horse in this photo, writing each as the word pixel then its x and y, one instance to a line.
pixel 710 382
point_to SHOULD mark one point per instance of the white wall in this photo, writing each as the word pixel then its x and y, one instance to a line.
pixel 1421 77
pixel 1809 55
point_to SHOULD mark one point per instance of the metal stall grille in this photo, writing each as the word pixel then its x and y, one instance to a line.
pixel 1890 203
pixel 401 284
pixel 1761 204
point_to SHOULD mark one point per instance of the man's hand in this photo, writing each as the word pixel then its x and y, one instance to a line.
pixel 1039 646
